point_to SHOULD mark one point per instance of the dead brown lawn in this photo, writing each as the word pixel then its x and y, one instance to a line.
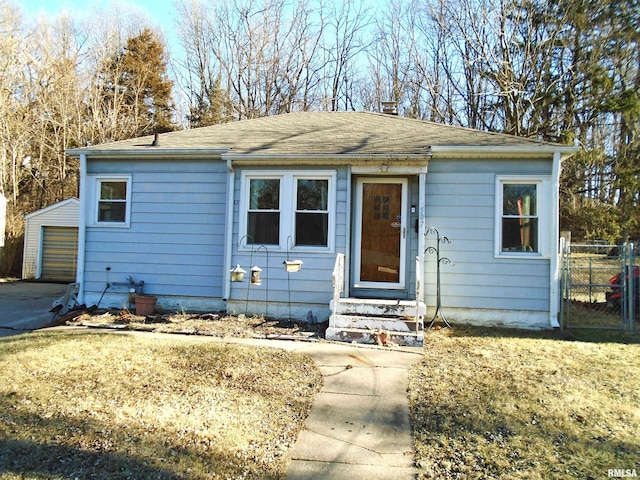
pixel 515 405
pixel 130 406
pixel 485 403
pixel 209 324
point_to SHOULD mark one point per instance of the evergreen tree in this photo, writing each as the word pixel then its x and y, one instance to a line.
pixel 601 106
pixel 137 90
pixel 213 106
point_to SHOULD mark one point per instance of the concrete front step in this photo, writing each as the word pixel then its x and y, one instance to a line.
pixel 406 324
pixel 359 335
pixel 379 308
pixel 367 320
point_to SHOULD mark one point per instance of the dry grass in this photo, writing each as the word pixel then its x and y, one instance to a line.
pixel 210 324
pixel 577 314
pixel 123 406
pixel 505 405
pixel 595 270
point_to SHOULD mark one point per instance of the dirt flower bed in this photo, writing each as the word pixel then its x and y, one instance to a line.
pixel 211 324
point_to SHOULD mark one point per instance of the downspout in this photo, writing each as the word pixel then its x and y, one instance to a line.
pixel 82 224
pixel 554 274
pixel 229 229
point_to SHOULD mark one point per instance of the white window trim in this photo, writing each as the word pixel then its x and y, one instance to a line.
pixel 244 209
pixel 93 185
pixel 545 215
pixel 288 181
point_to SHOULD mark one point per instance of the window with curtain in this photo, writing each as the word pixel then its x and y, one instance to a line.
pixel 519 217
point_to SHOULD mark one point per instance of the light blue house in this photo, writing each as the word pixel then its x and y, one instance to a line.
pixel 357 200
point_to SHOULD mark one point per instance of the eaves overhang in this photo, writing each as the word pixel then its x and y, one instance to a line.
pixel 150 152
pixel 325 159
pixel 332 158
pixel 502 152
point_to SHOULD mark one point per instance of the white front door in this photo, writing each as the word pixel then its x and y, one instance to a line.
pixel 380 233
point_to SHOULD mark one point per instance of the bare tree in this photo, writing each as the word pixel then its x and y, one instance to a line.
pixel 104 38
pixel 200 72
pixel 392 53
pixel 261 53
pixel 13 97
pixel 344 42
pixel 48 102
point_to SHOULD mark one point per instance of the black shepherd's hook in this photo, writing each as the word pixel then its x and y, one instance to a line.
pixel 439 261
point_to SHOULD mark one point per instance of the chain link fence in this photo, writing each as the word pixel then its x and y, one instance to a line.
pixel 600 287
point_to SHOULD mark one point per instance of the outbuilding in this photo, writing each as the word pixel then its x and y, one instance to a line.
pixel 51 242
pixel 370 220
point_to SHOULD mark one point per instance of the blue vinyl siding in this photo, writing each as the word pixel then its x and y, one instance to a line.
pixel 175 242
pixel 177 233
pixel 460 203
pixel 312 284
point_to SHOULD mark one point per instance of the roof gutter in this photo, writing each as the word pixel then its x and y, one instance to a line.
pixel 535 151
pixel 146 151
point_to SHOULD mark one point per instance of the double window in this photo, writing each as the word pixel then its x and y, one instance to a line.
pixel 288 208
pixel 521 223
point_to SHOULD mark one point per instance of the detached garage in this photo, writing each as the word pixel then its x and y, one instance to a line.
pixel 51 242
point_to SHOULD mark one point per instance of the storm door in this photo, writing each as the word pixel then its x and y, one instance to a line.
pixel 381 229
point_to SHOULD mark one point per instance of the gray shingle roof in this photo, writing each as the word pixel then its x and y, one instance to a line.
pixel 323 133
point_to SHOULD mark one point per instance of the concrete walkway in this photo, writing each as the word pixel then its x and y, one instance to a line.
pixel 358 427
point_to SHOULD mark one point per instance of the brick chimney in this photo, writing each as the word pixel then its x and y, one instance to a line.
pixel 390 108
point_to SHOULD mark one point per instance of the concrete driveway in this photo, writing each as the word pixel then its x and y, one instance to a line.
pixel 24 306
